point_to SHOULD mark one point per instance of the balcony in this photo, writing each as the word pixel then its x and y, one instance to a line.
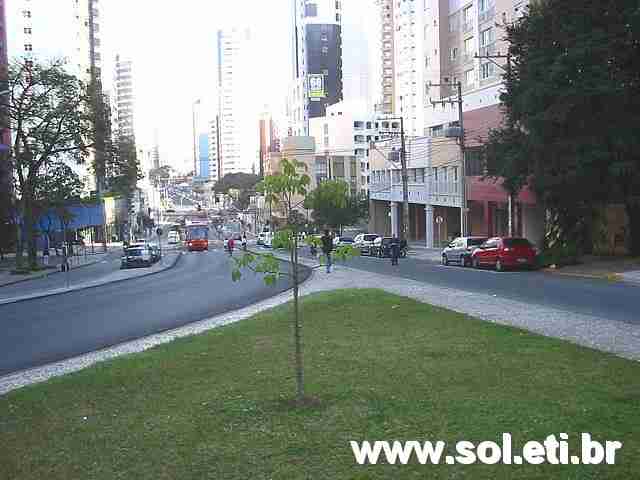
pixel 487 15
pixel 467 27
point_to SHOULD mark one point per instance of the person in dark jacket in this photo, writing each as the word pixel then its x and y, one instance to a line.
pixel 395 250
pixel 327 247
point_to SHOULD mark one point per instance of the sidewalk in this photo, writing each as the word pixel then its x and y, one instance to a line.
pixel 169 261
pixel 609 268
pixel 8 264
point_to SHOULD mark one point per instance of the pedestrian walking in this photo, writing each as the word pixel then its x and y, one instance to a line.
pixel 327 247
pixel 244 242
pixel 395 250
pixel 230 246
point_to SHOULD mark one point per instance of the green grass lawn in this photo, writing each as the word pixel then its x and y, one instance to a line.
pixel 381 367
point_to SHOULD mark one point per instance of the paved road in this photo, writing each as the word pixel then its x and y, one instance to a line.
pixel 44 330
pixel 615 301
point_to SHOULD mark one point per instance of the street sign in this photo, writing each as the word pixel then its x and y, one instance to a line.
pixel 159 231
pixel 439 219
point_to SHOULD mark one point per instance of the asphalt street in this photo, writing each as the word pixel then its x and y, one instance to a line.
pixel 44 330
pixel 600 298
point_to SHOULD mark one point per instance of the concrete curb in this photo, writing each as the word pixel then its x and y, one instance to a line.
pixel 62 291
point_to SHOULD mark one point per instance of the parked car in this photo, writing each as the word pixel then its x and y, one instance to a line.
pixel 364 242
pixel 460 249
pixel 342 241
pixel 137 257
pixel 501 253
pixel 382 247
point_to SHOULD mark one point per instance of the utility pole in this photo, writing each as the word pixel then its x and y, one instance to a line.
pixel 464 224
pixel 511 199
pixel 404 233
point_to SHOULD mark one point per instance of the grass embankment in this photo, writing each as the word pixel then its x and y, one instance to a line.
pixel 380 366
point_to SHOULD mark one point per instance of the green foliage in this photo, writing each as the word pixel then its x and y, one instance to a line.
pixel 123 168
pixel 243 183
pixel 572 105
pixel 334 206
pixel 283 188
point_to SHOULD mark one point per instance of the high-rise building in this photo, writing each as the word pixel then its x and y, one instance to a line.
pixel 388 71
pixel 124 101
pixel 317 79
pixel 203 156
pixel 238 109
pixel 5 133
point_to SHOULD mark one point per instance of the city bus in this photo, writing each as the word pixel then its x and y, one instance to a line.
pixel 197 236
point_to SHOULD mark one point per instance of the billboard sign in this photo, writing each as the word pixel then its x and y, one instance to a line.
pixel 316 87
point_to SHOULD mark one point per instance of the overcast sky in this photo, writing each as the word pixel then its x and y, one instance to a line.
pixel 173 47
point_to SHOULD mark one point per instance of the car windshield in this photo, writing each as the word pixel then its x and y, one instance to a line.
pixel 516 242
pixel 370 238
pixel 134 252
pixel 476 241
pixel 346 239
pixel 198 233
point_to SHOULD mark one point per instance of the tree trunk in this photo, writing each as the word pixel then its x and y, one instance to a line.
pixel 30 234
pixel 633 215
pixel 297 325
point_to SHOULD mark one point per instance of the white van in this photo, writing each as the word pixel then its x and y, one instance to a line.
pixel 174 237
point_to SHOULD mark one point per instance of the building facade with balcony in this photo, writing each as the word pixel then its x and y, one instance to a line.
pixel 347 131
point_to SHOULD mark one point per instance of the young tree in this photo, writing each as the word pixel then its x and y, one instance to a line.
pixel 288 190
pixel 49 111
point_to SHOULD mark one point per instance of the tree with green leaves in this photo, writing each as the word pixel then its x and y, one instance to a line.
pixel 572 107
pixel 334 206
pixel 285 189
pixel 244 183
pixel 49 111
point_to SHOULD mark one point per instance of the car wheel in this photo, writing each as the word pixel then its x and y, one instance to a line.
pixel 445 260
pixel 466 261
pixel 475 262
pixel 380 255
pixel 499 266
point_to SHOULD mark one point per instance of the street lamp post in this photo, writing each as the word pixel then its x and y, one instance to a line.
pixel 195 157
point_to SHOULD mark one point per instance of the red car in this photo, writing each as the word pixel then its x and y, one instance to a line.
pixel 502 253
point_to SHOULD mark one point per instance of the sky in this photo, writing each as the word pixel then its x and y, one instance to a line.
pixel 173 48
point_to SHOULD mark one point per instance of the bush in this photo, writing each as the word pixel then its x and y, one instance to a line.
pixel 560 255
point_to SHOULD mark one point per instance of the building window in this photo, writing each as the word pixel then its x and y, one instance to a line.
pixel 337 17
pixel 468 46
pixel 28 31
pixel 326 129
pixel 467 15
pixel 28 47
pixel 358 125
pixel 486 37
pixel 453 54
pixel 469 77
pixel 483 5
pixel 486 70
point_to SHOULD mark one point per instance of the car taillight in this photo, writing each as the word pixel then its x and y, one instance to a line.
pixel 507 249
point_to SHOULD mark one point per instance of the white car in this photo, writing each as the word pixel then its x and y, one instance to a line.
pixel 364 242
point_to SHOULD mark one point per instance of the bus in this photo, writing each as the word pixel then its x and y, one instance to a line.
pixel 197 236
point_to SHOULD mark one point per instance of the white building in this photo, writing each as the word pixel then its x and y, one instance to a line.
pixel 238 105
pixel 124 100
pixel 348 129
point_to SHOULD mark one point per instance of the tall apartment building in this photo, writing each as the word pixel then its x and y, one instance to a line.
pixel 316 61
pixel 5 132
pixel 238 107
pixel 387 50
pixel 124 98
